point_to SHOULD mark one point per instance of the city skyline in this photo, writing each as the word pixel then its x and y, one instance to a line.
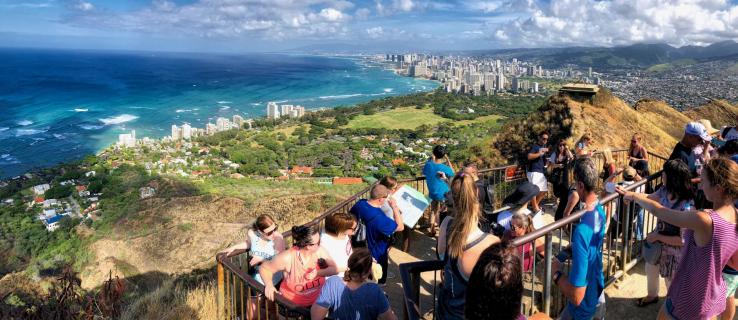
pixel 259 25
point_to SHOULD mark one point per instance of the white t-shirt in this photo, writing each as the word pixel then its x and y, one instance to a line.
pixel 388 210
pixel 338 249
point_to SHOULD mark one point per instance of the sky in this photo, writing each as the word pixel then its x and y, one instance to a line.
pixel 276 25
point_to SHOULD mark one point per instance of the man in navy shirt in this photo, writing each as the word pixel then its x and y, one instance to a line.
pixel 379 228
pixel 438 167
pixel 536 169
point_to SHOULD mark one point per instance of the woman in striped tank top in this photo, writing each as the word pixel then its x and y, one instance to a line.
pixel 711 237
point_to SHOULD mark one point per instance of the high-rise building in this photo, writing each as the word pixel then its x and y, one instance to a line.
pixel 285 110
pixel 223 124
pixel 589 75
pixel 535 87
pixel 272 111
pixel 237 121
pixel 186 131
pixel 127 139
pixel 500 83
pixel 210 129
pixel 176 133
pixel 515 85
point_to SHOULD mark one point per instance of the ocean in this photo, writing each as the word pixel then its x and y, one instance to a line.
pixel 62 105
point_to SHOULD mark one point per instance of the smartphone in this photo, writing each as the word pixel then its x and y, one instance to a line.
pixel 322 264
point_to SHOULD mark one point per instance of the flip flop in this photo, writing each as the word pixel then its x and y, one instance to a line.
pixel 641 302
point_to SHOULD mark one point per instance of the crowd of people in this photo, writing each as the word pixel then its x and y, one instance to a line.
pixel 341 270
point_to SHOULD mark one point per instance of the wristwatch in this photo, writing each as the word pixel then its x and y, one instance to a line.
pixel 556 277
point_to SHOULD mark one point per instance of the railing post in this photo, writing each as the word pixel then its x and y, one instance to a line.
pixel 624 215
pixel 547 274
pixel 221 290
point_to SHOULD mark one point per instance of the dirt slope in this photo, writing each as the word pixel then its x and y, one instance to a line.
pixel 182 234
pixel 719 112
pixel 610 121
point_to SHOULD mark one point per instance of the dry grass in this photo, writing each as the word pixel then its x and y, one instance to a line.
pixel 171 301
pixel 719 112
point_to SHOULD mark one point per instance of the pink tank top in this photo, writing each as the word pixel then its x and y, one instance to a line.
pixel 698 290
pixel 301 285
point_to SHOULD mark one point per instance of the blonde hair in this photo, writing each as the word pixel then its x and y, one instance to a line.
pixel 607 154
pixel 468 213
pixel 723 173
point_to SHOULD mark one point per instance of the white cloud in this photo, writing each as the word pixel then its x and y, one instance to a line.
pixel 484 6
pixel 362 13
pixel 404 5
pixel 258 19
pixel 84 6
pixel 621 22
pixel 375 33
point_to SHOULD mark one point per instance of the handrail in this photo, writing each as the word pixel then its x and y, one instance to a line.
pixel 229 273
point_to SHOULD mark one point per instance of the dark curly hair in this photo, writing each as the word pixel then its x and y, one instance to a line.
pixel 678 180
pixel 495 285
pixel 302 235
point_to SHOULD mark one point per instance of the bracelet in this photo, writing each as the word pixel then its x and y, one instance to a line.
pixel 557 275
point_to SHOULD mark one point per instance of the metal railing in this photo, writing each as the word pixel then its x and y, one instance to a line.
pixel 241 297
pixel 620 252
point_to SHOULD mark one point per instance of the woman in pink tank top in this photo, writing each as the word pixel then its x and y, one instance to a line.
pixel 304 268
pixel 698 290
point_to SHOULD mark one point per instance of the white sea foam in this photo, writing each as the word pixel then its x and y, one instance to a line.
pixel 224 102
pixel 81 110
pixel 3 129
pixel 147 108
pixel 281 101
pixel 388 90
pixel 90 127
pixel 183 110
pixel 225 107
pixel 28 132
pixel 123 118
pixel 256 104
pixel 59 136
pixel 6 159
pixel 25 122
pixel 341 96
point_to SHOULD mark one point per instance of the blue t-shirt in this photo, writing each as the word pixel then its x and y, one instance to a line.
pixel 379 228
pixel 366 302
pixel 586 266
pixel 536 165
pixel 437 188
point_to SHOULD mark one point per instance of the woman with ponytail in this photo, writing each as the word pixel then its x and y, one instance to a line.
pixel 304 268
pixel 465 243
pixel 353 296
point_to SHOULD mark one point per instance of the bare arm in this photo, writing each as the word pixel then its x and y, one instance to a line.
pixel 644 153
pixel 698 221
pixel 573 199
pixel 279 243
pixel 387 315
pixel 441 243
pixel 269 268
pixel 317 312
pixel 572 293
pixel 238 248
pixel 332 269
pixel 536 155
pixel 397 215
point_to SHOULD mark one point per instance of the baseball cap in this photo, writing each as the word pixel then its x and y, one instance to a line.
pixel 697 129
pixel 729 133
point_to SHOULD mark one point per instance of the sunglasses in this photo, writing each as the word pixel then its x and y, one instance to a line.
pixel 267 234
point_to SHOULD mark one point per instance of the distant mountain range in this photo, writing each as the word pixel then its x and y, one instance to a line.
pixel 632 56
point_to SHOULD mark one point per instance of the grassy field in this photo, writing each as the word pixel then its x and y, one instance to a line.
pixel 485 119
pixel 400 118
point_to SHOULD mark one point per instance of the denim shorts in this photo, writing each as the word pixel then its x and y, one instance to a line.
pixel 731 283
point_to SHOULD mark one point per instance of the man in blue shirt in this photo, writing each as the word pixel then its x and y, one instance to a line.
pixel 583 287
pixel 434 171
pixel 379 228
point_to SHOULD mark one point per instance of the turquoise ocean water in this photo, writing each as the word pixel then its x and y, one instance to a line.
pixel 61 105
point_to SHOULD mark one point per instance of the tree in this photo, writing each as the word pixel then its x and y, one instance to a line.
pixel 59 191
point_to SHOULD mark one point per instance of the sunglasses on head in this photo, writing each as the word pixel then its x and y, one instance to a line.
pixel 270 232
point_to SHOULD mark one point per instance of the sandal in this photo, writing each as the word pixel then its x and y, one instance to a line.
pixel 642 302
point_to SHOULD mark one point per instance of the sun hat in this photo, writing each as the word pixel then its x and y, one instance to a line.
pixel 708 126
pixel 697 129
pixel 629 173
pixel 522 194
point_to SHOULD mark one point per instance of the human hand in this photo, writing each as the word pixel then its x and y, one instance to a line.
pixel 652 237
pixel 442 175
pixel 626 194
pixel 392 203
pixel 256 260
pixel 544 150
pixel 555 265
pixel 269 291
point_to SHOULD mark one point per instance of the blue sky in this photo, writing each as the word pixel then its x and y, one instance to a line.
pixel 271 25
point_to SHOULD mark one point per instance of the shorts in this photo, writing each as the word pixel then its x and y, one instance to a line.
pixel 538 179
pixel 669 308
pixel 731 283
pixel 600 311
